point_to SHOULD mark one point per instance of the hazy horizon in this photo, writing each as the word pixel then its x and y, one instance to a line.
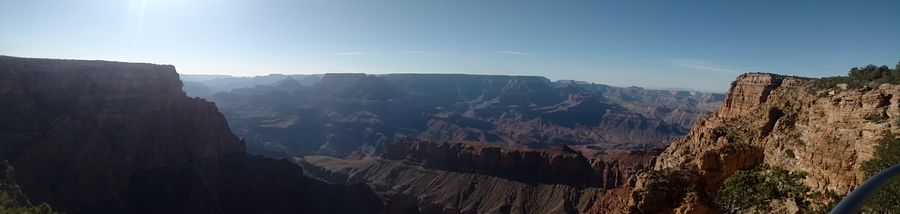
pixel 551 79
pixel 700 45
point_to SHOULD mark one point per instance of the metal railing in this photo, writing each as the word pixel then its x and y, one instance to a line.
pixel 856 199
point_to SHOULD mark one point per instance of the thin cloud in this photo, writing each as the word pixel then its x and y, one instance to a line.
pixel 703 65
pixel 350 53
pixel 385 53
pixel 512 52
pixel 416 52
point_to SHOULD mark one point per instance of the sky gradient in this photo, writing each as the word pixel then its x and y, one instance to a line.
pixel 655 44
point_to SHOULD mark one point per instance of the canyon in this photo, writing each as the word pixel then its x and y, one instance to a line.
pixel 819 131
pixel 111 137
pixel 358 114
pixel 453 143
pixel 475 177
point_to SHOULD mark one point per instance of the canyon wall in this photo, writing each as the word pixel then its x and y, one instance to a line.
pixel 100 137
pixel 474 177
pixel 775 120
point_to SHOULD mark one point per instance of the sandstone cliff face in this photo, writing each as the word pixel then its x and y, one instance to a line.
pixel 775 120
pixel 82 135
pixel 747 93
pixel 469 177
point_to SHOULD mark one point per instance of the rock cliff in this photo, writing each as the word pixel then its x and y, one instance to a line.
pixel 778 121
pixel 472 177
pixel 95 136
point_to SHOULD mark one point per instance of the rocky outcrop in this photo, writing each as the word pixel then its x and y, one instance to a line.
pixel 748 92
pixel 558 164
pixel 779 121
pixel 95 136
pixel 472 177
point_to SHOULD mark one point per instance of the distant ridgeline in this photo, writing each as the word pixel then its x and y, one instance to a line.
pixel 344 114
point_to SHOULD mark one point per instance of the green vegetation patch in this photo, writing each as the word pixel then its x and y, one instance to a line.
pixel 876 118
pixel 756 188
pixel 887 154
pixel 789 153
pixel 859 77
pixel 9 205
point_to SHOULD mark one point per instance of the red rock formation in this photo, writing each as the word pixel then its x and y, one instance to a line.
pixel 775 120
pixel 559 164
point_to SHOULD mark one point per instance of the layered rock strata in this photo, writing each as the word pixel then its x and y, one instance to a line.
pixel 775 120
pixel 471 177
pixel 101 137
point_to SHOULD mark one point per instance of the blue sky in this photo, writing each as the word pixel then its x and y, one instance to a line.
pixel 658 44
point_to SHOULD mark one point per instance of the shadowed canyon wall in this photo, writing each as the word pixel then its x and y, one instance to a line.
pixel 474 177
pixel 111 137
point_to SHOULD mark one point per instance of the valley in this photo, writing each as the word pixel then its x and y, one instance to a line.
pixel 449 107
pixel 110 137
pixel 359 114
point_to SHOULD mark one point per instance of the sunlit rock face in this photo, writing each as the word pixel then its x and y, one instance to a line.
pixel 98 137
pixel 776 120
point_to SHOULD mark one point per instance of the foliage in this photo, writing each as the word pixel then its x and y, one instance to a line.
pixel 861 76
pixel 887 154
pixel 872 73
pixel 9 205
pixel 789 153
pixel 830 199
pixel 876 118
pixel 757 187
pixel 832 82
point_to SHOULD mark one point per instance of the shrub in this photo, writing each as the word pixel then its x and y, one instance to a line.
pixel 9 205
pixel 876 118
pixel 871 73
pixel 830 199
pixel 757 187
pixel 832 82
pixel 860 76
pixel 789 153
pixel 887 154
